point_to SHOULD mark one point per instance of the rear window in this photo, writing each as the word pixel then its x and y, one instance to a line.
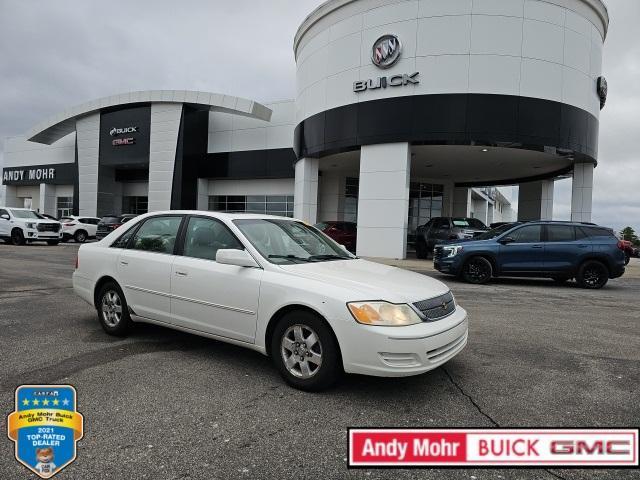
pixel 597 232
pixel 110 220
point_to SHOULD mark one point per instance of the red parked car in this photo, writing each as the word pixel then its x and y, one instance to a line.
pixel 627 247
pixel 345 233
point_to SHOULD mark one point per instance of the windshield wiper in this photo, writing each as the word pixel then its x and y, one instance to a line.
pixel 291 257
pixel 328 257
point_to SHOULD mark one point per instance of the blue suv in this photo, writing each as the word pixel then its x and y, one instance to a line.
pixel 557 250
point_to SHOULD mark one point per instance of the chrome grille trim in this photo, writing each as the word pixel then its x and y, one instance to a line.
pixel 435 309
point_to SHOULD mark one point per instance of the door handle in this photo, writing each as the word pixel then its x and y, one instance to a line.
pixel 536 246
pixel 182 274
pixel 122 262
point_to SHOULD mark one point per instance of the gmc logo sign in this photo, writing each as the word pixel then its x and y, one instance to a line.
pixel 118 142
pixel 611 447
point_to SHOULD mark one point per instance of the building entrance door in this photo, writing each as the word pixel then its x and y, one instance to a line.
pixel 28 203
pixel 425 203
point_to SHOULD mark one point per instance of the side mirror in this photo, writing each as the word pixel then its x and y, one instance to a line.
pixel 5 216
pixel 239 258
pixel 507 240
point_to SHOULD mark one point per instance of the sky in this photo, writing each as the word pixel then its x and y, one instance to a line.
pixel 58 53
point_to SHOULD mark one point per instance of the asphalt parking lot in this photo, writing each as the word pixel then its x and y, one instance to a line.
pixel 163 404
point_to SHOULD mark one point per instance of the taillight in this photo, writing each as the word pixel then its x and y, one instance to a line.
pixel 69 224
pixel 621 245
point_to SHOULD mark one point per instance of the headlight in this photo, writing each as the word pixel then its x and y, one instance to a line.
pixel 451 250
pixel 30 225
pixel 383 313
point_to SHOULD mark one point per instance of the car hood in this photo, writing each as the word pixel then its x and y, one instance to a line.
pixel 366 280
pixel 467 241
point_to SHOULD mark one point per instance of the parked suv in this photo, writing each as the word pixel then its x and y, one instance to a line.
pixel 79 228
pixel 21 225
pixel 345 233
pixel 558 250
pixel 441 229
pixel 111 222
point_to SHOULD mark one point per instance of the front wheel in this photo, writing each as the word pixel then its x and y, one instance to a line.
pixel 80 236
pixel 17 237
pixel 305 352
pixel 113 311
pixel 477 270
pixel 592 275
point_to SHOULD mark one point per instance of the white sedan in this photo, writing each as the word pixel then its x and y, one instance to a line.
pixel 274 285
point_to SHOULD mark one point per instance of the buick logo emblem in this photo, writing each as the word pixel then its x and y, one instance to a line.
pixel 122 131
pixel 386 51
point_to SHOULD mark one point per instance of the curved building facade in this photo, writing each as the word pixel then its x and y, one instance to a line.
pixel 405 110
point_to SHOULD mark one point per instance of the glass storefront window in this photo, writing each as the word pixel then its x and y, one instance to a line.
pixel 135 205
pixel 425 203
pixel 64 206
pixel 280 205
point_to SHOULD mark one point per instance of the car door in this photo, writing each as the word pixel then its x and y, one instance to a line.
pixel 525 253
pixel 144 267
pixel 439 231
pixel 208 296
pixel 4 223
pixel 562 248
pixel 90 225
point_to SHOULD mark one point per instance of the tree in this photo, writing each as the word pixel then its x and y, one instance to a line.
pixel 629 234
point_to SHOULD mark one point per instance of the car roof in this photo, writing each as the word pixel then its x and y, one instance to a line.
pixel 222 215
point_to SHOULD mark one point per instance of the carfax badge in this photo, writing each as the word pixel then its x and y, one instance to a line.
pixel 45 427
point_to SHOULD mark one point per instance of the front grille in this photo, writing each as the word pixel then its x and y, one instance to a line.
pixel 437 253
pixel 437 308
pixel 49 227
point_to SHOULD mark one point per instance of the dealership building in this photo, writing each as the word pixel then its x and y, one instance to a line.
pixel 403 111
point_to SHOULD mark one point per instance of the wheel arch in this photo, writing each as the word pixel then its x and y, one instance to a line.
pixel 493 260
pixel 275 318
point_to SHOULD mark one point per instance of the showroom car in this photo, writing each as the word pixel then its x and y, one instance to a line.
pixel 80 229
pixel 274 285
pixel 345 233
pixel 557 250
pixel 21 225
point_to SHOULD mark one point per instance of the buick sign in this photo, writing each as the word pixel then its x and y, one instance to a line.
pixel 122 131
pixel 386 51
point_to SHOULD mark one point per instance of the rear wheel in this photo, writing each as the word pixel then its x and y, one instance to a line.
pixel 305 351
pixel 17 237
pixel 477 270
pixel 113 311
pixel 592 274
pixel 80 236
pixel 627 258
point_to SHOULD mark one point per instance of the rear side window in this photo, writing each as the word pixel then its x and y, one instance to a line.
pixel 157 235
pixel 123 241
pixel 560 233
pixel 529 234
pixel 597 232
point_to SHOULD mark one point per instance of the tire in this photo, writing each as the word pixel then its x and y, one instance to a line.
pixel 17 237
pixel 477 270
pixel 113 311
pixel 53 243
pixel 80 236
pixel 593 275
pixel 560 280
pixel 421 250
pixel 309 375
pixel 627 258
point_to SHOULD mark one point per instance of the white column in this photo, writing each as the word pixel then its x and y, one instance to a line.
pixel 165 126
pixel 305 205
pixel 461 202
pixel 582 192
pixel 88 138
pixel 47 199
pixel 535 201
pixel 203 194
pixel 11 196
pixel 383 203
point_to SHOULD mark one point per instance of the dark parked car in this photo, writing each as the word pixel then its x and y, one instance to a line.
pixel 345 233
pixel 558 250
pixel 441 229
pixel 110 222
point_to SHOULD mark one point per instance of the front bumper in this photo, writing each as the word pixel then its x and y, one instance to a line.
pixel 36 235
pixel 449 265
pixel 403 351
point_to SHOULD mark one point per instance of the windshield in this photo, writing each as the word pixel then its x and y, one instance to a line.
pixel 496 232
pixel 287 242
pixel 25 214
pixel 469 223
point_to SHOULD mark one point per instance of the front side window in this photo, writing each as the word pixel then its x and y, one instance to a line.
pixel 205 236
pixel 157 235
pixel 3 212
pixel 288 242
pixel 561 233
pixel 529 234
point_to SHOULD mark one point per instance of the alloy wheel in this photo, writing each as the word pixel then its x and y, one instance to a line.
pixel 478 271
pixel 593 276
pixel 301 351
pixel 111 308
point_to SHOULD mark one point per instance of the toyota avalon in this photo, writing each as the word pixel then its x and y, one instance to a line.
pixel 275 285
